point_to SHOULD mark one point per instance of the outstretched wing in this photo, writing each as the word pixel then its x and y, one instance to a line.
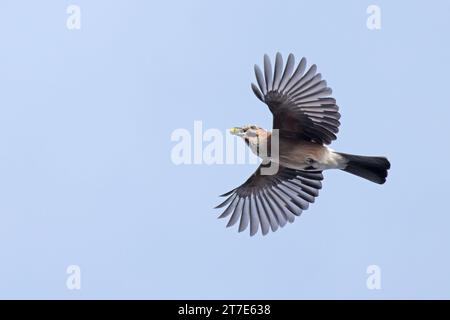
pixel 299 101
pixel 271 201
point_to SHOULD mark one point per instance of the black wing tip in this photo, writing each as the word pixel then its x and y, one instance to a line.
pixel 290 56
pixel 227 193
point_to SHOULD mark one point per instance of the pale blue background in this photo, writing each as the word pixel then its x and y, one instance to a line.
pixel 85 170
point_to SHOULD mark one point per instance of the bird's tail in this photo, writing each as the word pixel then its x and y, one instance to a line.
pixel 374 169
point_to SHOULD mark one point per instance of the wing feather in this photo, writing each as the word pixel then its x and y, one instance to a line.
pixel 300 101
pixel 268 202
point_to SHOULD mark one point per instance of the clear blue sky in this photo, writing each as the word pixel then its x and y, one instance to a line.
pixel 86 176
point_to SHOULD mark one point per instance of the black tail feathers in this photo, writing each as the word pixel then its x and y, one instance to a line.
pixel 374 169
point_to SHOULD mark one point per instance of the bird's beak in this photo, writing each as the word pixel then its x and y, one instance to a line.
pixel 237 131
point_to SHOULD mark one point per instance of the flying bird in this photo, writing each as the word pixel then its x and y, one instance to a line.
pixel 306 120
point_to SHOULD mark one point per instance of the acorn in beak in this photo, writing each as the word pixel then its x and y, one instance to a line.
pixel 237 131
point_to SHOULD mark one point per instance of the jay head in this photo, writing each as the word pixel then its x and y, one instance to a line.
pixel 306 120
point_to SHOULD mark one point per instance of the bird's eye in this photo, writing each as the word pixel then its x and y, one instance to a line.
pixel 253 127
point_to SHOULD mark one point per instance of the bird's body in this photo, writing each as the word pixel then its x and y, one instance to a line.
pixel 306 120
pixel 305 155
pixel 298 154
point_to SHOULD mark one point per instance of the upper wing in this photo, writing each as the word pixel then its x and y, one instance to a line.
pixel 271 200
pixel 300 102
